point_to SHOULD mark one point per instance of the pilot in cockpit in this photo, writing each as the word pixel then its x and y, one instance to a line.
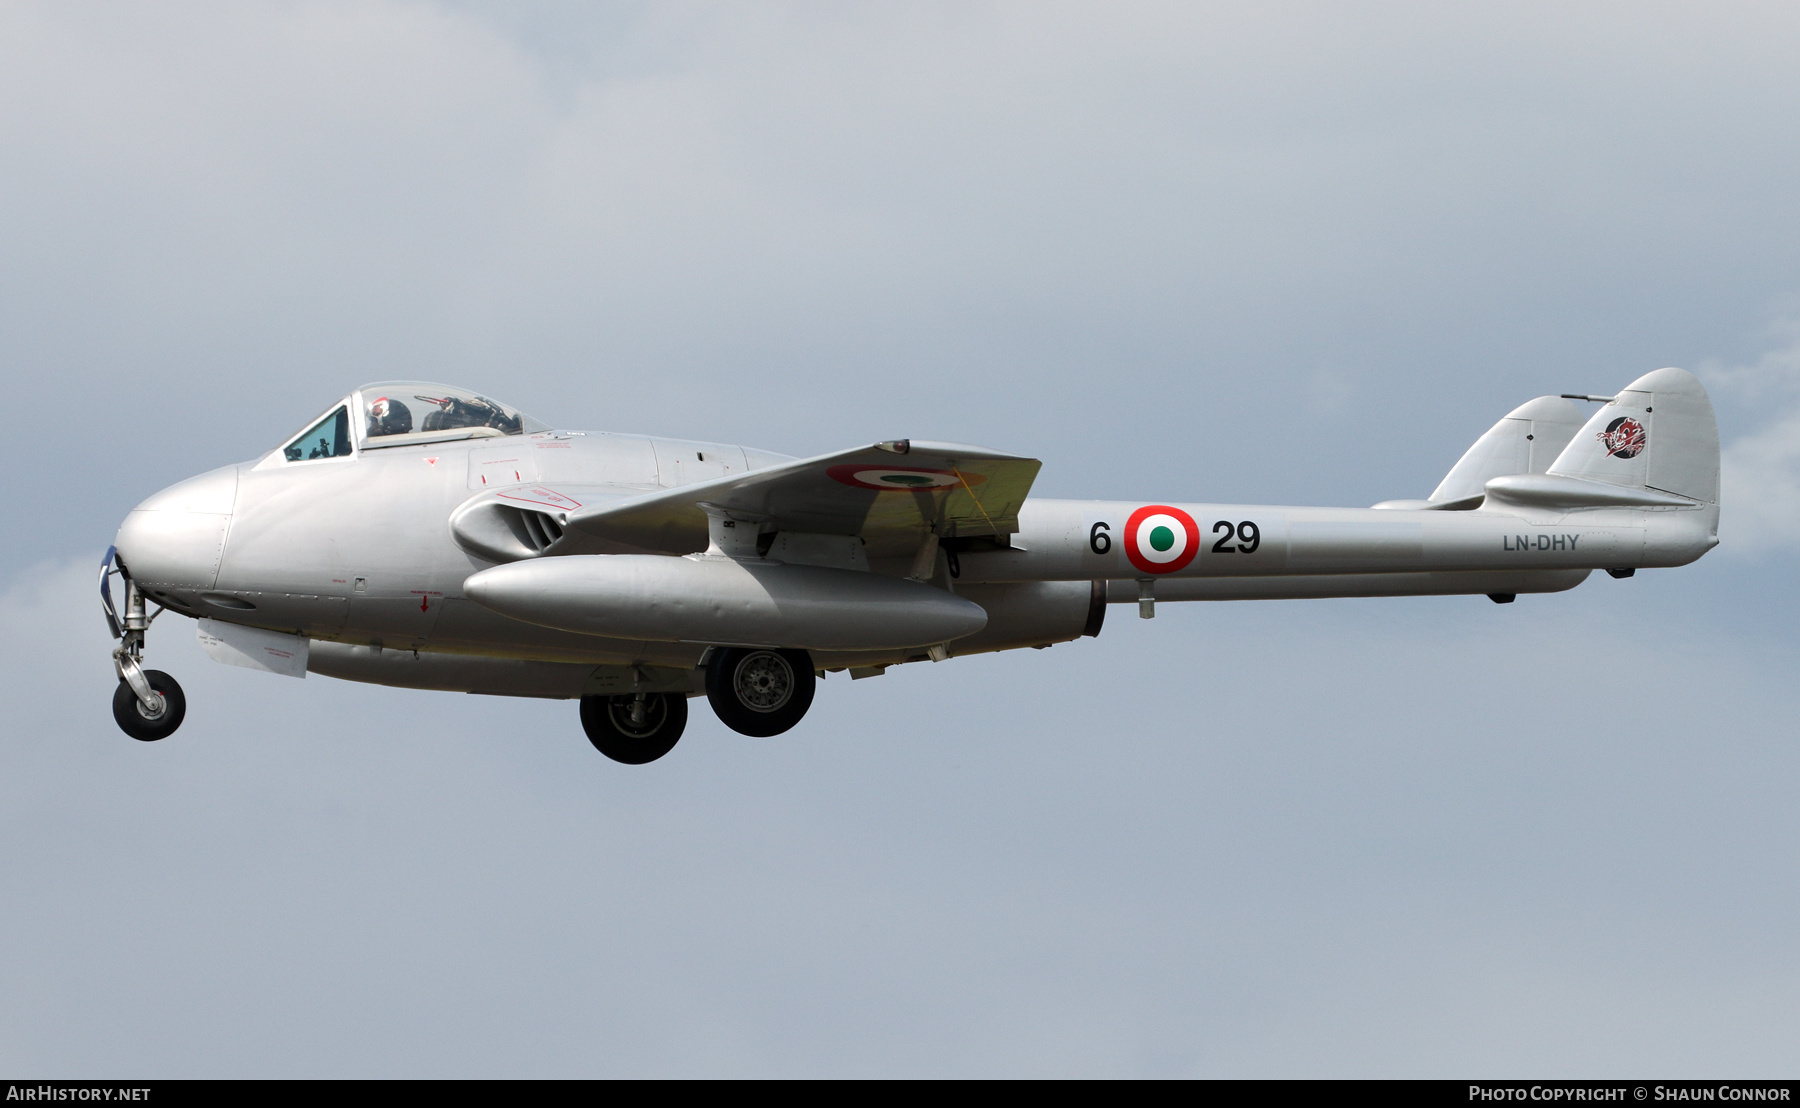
pixel 388 417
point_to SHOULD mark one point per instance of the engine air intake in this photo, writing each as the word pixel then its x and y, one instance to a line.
pixel 538 530
pixel 501 532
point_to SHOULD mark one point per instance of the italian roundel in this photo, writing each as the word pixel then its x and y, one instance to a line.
pixel 1161 539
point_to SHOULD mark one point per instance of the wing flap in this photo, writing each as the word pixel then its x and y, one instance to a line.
pixel 889 494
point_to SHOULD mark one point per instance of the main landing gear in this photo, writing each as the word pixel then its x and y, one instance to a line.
pixel 759 692
pixel 634 728
pixel 754 692
pixel 148 704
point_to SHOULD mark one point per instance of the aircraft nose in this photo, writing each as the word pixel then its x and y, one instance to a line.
pixel 173 540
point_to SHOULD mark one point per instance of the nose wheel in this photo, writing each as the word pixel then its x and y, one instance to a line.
pixel 148 704
pixel 759 692
pixel 148 722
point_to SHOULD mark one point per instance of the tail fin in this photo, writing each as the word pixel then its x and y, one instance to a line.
pixel 1659 433
pixel 1527 440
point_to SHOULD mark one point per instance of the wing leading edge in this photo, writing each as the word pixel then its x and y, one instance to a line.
pixel 889 494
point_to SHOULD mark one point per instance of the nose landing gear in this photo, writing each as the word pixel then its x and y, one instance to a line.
pixel 137 719
pixel 148 704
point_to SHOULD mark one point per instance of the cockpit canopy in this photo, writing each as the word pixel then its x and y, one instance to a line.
pixel 397 412
pixel 400 413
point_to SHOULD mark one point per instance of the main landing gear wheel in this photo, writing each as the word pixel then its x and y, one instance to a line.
pixel 759 692
pixel 634 728
pixel 140 722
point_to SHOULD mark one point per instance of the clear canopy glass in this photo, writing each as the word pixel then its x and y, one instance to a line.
pixel 395 413
pixel 329 438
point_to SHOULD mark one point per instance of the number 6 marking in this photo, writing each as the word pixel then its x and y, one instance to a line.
pixel 1098 540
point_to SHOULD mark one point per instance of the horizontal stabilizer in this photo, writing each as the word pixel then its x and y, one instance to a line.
pixel 1546 490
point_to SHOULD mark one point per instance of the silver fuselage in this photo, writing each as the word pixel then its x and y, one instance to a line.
pixel 360 550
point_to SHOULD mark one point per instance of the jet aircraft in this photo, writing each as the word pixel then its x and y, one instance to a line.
pixel 425 536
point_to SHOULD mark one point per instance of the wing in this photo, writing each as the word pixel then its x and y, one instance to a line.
pixel 889 494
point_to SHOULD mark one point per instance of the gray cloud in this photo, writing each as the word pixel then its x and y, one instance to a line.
pixel 1431 837
pixel 1760 469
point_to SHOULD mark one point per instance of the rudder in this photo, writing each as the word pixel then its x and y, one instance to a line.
pixel 1658 433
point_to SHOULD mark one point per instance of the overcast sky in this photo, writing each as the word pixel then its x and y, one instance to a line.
pixel 1271 253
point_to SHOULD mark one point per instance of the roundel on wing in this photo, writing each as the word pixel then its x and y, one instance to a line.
pixel 899 479
pixel 1161 539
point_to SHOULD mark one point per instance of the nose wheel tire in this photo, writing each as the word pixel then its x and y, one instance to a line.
pixel 142 724
pixel 634 728
pixel 759 692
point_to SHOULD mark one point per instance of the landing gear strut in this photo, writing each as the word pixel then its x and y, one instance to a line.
pixel 634 728
pixel 759 692
pixel 148 704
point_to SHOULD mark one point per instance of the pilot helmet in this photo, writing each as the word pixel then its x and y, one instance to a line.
pixel 389 417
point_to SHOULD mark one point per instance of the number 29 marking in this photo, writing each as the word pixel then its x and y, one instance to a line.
pixel 1247 534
